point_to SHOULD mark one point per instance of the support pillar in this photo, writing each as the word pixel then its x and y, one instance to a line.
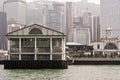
pixel 8 49
pixel 103 53
pixel 51 49
pixel 19 48
pixel 35 49
pixel 93 53
pixel 118 53
pixel 63 49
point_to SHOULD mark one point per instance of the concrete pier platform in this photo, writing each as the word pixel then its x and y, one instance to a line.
pixel 32 64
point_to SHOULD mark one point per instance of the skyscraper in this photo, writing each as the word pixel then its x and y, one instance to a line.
pixel 87 21
pixel 55 17
pixel 69 21
pixel 3 30
pixel 16 11
pixel 95 28
pixel 110 16
pixel 87 18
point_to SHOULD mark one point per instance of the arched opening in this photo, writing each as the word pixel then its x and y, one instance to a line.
pixel 35 31
pixel 110 46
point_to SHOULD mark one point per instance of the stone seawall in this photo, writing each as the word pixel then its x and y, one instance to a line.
pixel 96 62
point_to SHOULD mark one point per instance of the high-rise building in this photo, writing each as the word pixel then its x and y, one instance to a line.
pixel 87 21
pixel 37 11
pixel 3 30
pixel 1 5
pixel 55 17
pixel 77 21
pixel 87 18
pixel 69 22
pixel 82 35
pixel 95 28
pixel 48 13
pixel 80 7
pixel 16 11
pixel 110 16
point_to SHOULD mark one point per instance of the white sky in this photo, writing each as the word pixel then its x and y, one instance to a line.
pixel 94 1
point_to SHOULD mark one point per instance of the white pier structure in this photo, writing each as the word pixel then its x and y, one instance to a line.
pixel 36 42
pixel 109 45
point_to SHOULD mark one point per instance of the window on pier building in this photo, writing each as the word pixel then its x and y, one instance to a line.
pixel 35 31
pixel 14 45
pixel 27 57
pixel 57 44
pixel 14 56
pixel 27 44
pixel 43 45
pixel 43 56
pixel 56 57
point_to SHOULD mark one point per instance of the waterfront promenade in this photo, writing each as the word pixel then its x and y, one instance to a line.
pixel 97 59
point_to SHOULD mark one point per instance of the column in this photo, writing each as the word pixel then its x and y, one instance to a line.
pixel 51 49
pixel 93 53
pixel 35 49
pixel 8 49
pixel 63 49
pixel 19 48
pixel 103 53
pixel 118 53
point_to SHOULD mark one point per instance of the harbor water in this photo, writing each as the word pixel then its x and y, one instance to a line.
pixel 74 72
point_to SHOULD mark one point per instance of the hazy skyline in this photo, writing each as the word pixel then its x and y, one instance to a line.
pixel 94 1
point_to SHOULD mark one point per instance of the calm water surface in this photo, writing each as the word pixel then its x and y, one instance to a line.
pixel 73 73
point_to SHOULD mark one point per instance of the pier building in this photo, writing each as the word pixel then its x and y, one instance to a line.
pixel 35 47
pixel 108 46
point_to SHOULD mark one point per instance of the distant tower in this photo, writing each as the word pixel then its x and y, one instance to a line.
pixel 69 21
pixel 109 33
pixel 16 11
